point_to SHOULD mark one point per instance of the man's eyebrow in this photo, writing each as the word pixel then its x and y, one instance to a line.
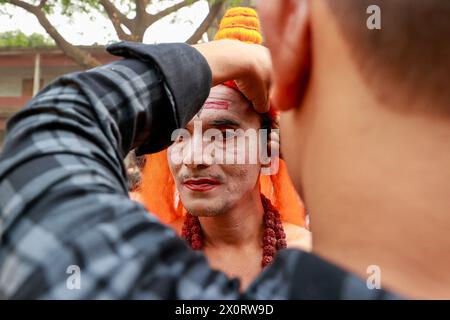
pixel 224 123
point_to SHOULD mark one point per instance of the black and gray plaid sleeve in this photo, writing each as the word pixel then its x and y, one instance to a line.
pixel 63 191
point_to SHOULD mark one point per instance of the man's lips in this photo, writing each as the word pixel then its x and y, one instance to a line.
pixel 203 184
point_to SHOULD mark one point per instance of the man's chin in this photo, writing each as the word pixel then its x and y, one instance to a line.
pixel 204 208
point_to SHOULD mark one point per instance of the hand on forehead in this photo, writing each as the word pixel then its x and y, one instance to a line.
pixel 223 101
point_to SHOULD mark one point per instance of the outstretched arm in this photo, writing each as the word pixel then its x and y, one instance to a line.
pixel 63 194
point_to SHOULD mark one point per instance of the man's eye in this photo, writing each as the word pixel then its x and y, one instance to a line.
pixel 179 139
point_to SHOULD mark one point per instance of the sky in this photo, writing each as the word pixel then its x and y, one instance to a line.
pixel 79 31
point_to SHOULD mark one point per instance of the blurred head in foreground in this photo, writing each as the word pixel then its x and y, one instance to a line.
pixel 366 133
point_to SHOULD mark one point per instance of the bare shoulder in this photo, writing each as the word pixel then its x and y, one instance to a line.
pixel 297 237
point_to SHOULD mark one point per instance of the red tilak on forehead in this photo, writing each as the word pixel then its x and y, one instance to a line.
pixel 222 105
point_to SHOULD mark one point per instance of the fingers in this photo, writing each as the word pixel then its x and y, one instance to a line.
pixel 257 92
pixel 250 65
pixel 256 81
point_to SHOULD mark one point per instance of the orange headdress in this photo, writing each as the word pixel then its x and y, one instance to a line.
pixel 157 189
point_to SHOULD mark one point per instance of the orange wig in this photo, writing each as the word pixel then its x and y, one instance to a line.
pixel 157 189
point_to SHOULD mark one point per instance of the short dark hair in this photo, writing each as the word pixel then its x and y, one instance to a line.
pixel 409 56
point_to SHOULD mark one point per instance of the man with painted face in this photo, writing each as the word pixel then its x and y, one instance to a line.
pixel 218 205
pixel 220 193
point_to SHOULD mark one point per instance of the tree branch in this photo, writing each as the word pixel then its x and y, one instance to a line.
pixel 30 8
pixel 81 57
pixel 209 19
pixel 117 19
pixel 172 9
pixel 111 9
pixel 42 4
pixel 142 20
pixel 141 6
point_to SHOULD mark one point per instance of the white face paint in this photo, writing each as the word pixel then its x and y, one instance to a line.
pixel 207 184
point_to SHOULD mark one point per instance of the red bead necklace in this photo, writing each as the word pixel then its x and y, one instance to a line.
pixel 274 237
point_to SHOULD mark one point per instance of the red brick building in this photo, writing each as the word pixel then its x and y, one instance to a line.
pixel 24 71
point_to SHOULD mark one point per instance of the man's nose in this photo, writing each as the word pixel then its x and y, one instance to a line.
pixel 193 156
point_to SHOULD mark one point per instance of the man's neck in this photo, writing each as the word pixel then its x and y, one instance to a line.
pixel 242 225
pixel 385 199
pixel 394 214
pixel 413 260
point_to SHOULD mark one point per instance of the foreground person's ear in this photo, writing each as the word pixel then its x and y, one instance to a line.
pixel 286 27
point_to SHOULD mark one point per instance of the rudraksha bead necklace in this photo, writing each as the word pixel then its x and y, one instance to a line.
pixel 274 237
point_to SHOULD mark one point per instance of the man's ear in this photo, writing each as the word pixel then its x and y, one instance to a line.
pixel 270 168
pixel 273 150
pixel 286 27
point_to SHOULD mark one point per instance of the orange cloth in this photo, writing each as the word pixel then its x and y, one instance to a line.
pixel 157 188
